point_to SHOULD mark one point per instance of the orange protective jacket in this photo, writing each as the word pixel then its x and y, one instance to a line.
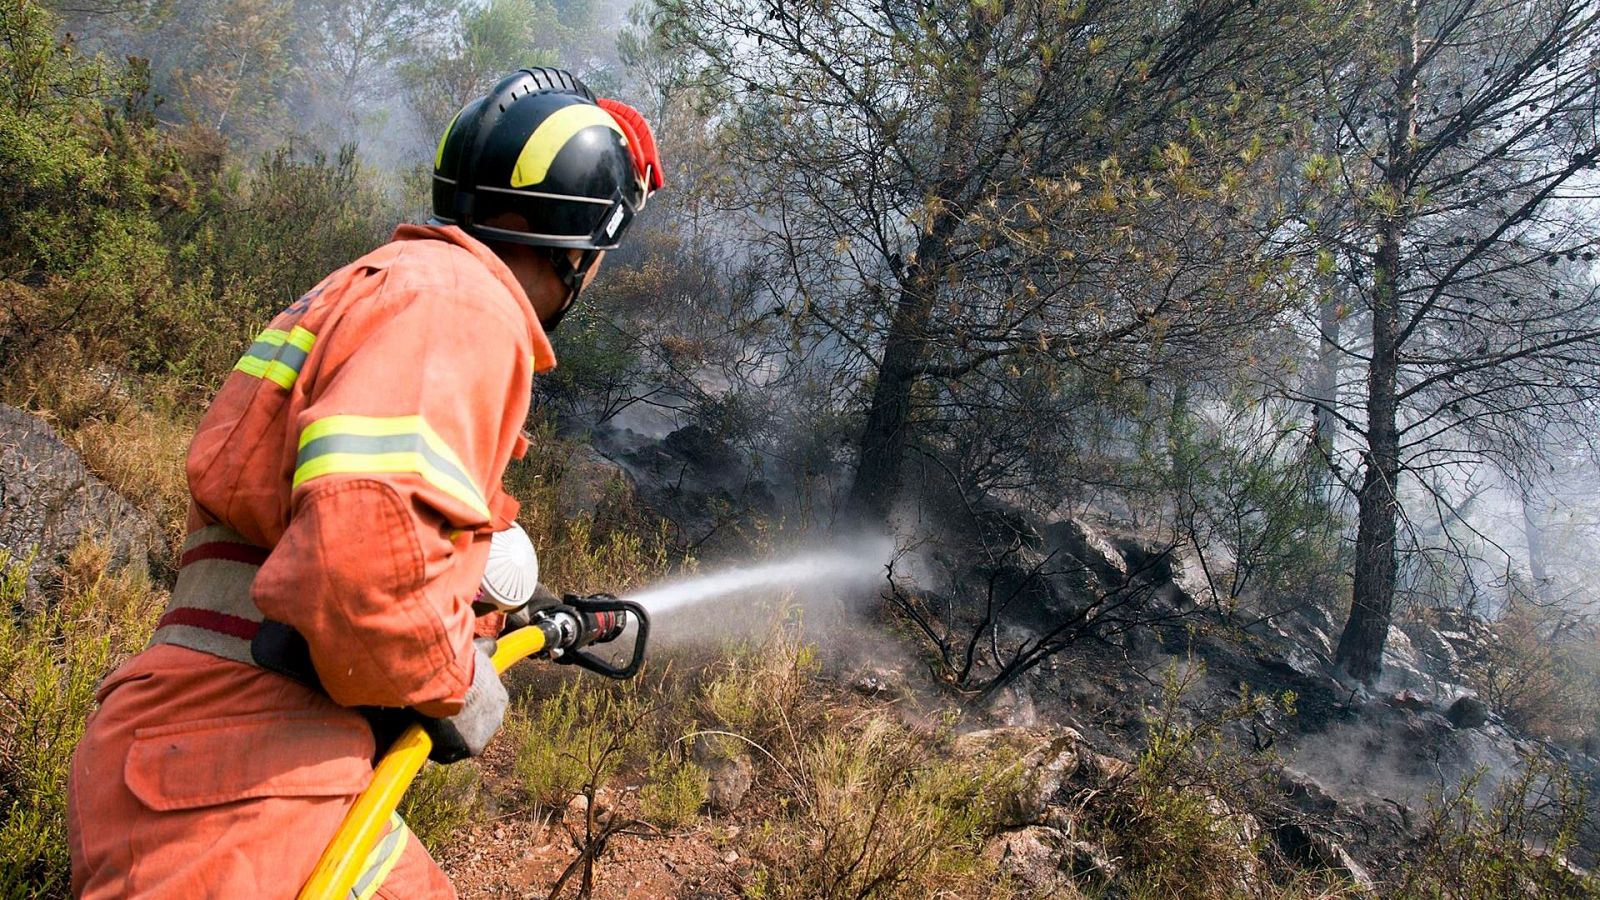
pixel 355 455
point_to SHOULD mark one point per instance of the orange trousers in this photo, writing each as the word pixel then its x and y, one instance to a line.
pixel 202 777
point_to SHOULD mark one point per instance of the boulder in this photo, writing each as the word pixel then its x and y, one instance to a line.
pixel 1312 848
pixel 880 682
pixel 1468 712
pixel 1035 859
pixel 1080 540
pixel 587 481
pixel 727 783
pixel 1041 762
pixel 49 502
pixel 729 772
pixel 711 494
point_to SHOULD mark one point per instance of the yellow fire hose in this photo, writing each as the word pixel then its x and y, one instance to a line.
pixel 563 630
pixel 367 820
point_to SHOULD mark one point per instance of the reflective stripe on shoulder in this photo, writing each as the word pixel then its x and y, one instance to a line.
pixel 277 356
pixel 356 445
pixel 381 861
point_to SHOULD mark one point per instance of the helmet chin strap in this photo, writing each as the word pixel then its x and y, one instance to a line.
pixel 572 276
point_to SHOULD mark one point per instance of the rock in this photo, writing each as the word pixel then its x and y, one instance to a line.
pixel 727 782
pixel 1468 712
pixel 1089 862
pixel 1101 767
pixel 729 772
pixel 586 481
pixel 1033 858
pixel 1042 762
pixel 1317 850
pixel 1082 541
pixel 697 482
pixel 1409 700
pixel 879 681
pixel 49 502
pixel 1402 664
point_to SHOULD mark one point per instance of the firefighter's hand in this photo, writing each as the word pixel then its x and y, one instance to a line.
pixel 543 598
pixel 467 732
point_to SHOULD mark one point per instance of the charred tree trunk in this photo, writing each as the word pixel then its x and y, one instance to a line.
pixel 1533 532
pixel 1360 652
pixel 886 434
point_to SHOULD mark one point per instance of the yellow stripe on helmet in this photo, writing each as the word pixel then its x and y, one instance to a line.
pixel 438 155
pixel 533 163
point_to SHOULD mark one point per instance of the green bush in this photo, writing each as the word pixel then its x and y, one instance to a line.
pixel 50 664
pixel 877 811
pixel 673 792
pixel 1180 822
pixel 574 740
pixel 1513 847
pixel 440 801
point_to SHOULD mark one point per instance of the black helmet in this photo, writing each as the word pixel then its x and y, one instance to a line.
pixel 537 161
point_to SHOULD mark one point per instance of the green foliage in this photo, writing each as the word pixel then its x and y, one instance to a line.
pixel 1513 847
pixel 440 801
pixel 761 690
pixel 877 812
pixel 492 38
pixel 674 791
pixel 141 244
pixel 50 664
pixel 1180 821
pixel 574 740
pixel 79 246
pixel 1255 498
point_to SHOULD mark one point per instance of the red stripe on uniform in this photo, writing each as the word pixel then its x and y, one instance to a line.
pixel 222 623
pixel 226 550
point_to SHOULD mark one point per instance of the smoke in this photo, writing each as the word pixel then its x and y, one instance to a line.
pixel 1407 759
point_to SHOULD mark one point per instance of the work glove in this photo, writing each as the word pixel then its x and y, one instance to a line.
pixel 467 732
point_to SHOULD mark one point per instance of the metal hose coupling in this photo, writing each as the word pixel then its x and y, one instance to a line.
pixel 579 622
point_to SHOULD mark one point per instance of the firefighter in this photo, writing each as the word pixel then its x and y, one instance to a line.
pixel 345 494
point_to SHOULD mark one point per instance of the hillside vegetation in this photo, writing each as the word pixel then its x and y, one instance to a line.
pixel 1042 268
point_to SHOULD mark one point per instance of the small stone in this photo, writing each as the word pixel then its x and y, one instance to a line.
pixel 1409 700
pixel 731 857
pixel 1468 712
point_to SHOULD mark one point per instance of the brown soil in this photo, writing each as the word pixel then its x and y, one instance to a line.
pixel 520 853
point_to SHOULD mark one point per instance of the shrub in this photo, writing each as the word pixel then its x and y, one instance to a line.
pixel 1515 847
pixel 440 801
pixel 1541 673
pixel 1178 822
pixel 876 811
pixel 674 791
pixel 764 691
pixel 574 740
pixel 50 664
pixel 614 548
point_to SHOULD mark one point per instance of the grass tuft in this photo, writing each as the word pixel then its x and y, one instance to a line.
pixel 50 665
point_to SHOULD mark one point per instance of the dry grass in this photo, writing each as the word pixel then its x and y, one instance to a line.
pixel 132 434
pixel 50 664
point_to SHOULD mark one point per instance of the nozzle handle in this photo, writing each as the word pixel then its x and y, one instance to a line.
pixel 605 603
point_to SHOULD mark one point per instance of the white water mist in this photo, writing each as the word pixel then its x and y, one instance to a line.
pixel 829 569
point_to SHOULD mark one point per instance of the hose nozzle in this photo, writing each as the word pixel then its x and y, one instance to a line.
pixel 579 622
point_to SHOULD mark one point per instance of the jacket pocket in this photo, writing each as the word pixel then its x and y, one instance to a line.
pixel 276 754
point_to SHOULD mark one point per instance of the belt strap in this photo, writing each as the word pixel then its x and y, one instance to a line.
pixel 211 610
